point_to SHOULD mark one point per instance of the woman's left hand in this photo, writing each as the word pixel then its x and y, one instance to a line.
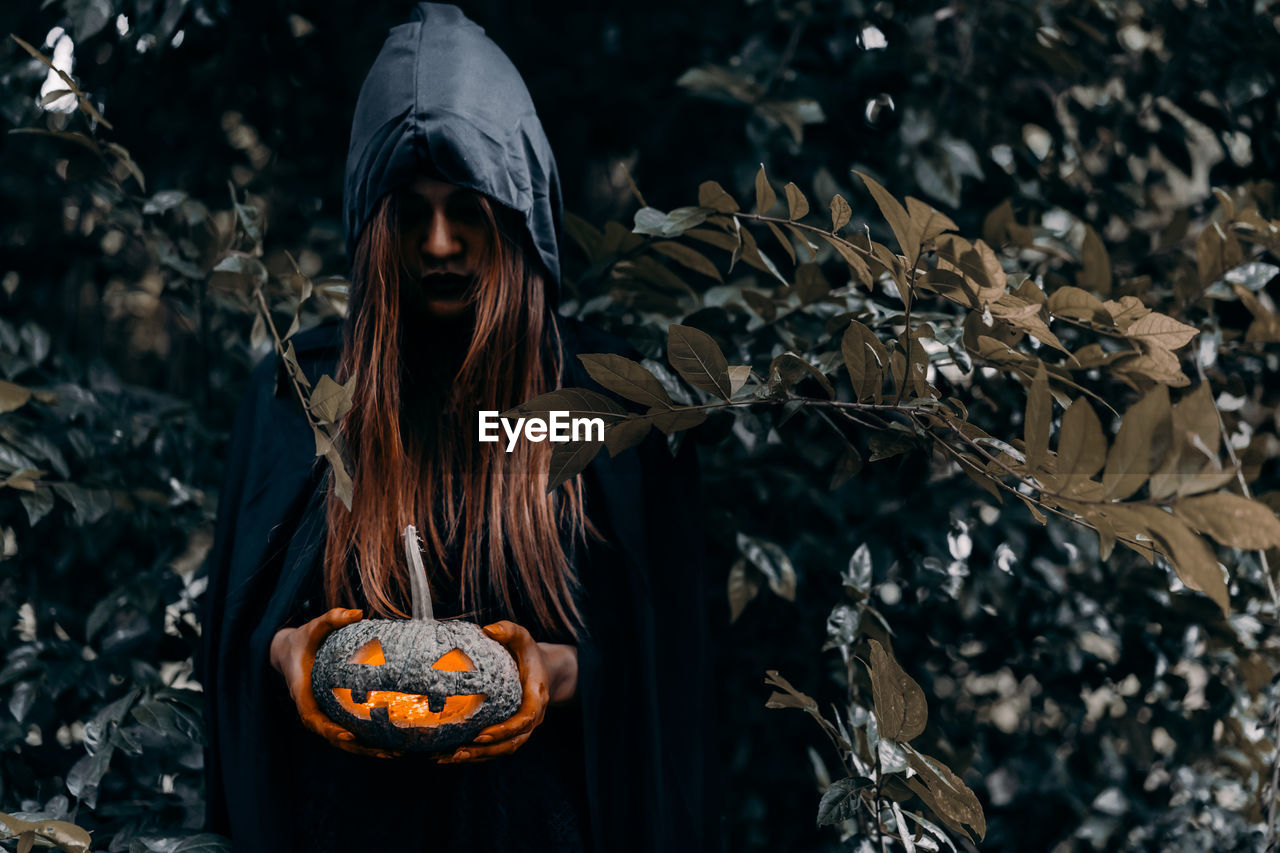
pixel 549 674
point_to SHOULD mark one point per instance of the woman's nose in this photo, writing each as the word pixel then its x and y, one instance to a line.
pixel 442 240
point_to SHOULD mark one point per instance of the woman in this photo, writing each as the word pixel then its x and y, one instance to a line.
pixel 452 216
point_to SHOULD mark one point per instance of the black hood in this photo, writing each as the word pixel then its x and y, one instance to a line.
pixel 443 100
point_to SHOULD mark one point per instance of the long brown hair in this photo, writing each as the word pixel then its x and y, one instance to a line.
pixel 487 521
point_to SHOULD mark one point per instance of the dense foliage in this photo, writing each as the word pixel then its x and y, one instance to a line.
pixel 1054 313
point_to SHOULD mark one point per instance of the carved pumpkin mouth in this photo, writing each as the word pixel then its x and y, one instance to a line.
pixel 409 710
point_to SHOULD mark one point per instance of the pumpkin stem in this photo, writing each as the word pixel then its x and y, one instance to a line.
pixel 419 589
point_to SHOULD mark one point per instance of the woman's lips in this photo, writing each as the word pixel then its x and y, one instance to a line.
pixel 445 285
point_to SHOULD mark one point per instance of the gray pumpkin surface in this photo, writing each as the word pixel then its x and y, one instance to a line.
pixel 411 647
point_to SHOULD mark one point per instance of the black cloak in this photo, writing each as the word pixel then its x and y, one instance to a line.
pixel 443 100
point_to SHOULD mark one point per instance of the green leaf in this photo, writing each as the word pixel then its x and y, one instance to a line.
pixel 1233 520
pixel 250 218
pixel 649 221
pixel 696 356
pixel 1039 415
pixel 294 369
pixel 676 420
pixel 1191 556
pixel 901 710
pixel 1195 418
pixel 1129 461
pixel 711 194
pixel 896 215
pixel 1082 448
pixel 626 434
pixel 38 504
pixel 752 255
pixel 789 697
pixel 797 204
pixel 927 224
pixel 579 402
pixel 245 265
pixel 1190 464
pixel 803 237
pixel 343 487
pixel 788 368
pixel 682 219
pixel 783 241
pixel 1079 304
pixel 23 697
pixel 1024 314
pixel 866 358
pixel 765 197
pixel 688 257
pixel 1126 311
pixel 168 719
pixel 86 775
pixel 910 354
pixel 860 272
pixel 122 154
pixel 89 505
pixel 772 562
pixel 655 223
pixel 719 239
pixel 840 801
pixel 945 794
pixel 840 213
pixel 55 95
pixel 570 458
pixel 626 378
pixel 85 103
pixel 1160 331
pixel 330 402
pixel 12 396
pixel 1095 273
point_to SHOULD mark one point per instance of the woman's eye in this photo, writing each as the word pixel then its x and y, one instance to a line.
pixel 412 211
pixel 466 208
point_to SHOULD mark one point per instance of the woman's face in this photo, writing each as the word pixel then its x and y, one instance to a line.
pixel 444 238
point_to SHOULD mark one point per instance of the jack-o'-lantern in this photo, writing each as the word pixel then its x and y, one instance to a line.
pixel 415 684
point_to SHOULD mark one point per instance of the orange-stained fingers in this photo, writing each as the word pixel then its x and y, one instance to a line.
pixel 506 737
pixel 293 652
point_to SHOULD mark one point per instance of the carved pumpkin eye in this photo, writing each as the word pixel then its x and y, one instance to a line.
pixel 453 661
pixel 370 654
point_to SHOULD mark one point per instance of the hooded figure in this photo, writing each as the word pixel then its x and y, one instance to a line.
pixel 628 765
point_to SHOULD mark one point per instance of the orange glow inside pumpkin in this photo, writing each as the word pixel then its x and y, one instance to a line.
pixel 410 710
pixel 370 654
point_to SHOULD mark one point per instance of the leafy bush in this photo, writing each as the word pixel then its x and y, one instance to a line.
pixel 873 486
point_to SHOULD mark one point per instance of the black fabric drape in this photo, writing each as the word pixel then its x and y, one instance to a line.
pixel 643 750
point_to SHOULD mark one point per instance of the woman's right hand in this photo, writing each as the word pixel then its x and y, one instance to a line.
pixel 293 652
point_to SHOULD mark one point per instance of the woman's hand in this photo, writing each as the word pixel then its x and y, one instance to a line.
pixel 549 674
pixel 293 652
